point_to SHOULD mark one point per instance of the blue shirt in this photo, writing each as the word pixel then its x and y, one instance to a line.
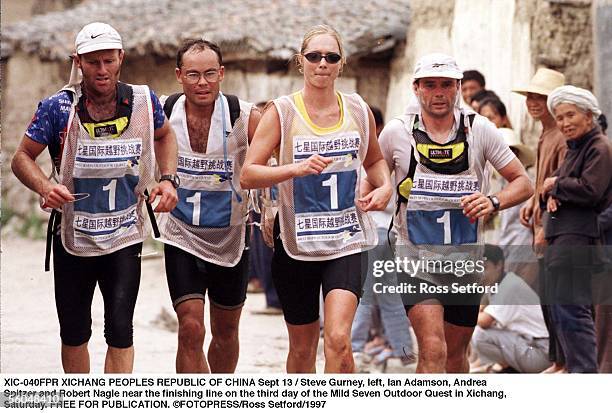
pixel 50 122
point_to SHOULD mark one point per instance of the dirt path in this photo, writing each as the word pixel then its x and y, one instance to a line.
pixel 30 331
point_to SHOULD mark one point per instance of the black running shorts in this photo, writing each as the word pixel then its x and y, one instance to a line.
pixel 459 309
pixel 117 274
pixel 190 277
pixel 298 283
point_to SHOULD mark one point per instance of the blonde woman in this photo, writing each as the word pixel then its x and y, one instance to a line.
pixel 325 138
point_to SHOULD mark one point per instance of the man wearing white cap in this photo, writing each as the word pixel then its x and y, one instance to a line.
pixel 438 151
pixel 104 137
pixel 550 154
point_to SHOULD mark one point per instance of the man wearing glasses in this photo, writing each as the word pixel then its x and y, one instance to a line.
pixel 205 235
pixel 104 137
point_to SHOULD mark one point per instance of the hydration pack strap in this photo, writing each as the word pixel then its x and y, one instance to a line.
pixel 50 230
pixel 151 215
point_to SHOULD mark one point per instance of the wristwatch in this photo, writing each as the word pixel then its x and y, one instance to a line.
pixel 174 180
pixel 495 202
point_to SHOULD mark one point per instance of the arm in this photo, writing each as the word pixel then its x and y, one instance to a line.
pixel 254 118
pixel 26 169
pixel 485 320
pixel 256 173
pixel 518 190
pixel 587 189
pixel 166 154
pixel 377 188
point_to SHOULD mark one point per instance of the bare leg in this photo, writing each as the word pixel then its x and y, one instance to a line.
pixel 427 319
pixel 119 360
pixel 457 343
pixel 224 347
pixel 190 354
pixel 303 341
pixel 340 307
pixel 75 359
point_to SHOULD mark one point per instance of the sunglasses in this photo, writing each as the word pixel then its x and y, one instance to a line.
pixel 315 57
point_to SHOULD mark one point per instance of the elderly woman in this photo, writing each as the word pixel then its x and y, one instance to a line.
pixel 579 190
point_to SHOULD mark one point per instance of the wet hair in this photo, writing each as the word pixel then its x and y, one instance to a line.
pixel 197 45
pixel 316 31
pixel 603 123
pixel 474 75
pixel 378 116
pixel 484 94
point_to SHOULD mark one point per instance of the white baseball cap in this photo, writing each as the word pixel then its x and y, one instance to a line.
pixel 437 65
pixel 97 36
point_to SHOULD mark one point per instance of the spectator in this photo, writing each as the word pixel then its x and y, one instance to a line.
pixel 495 110
pixel 480 96
pixel 511 329
pixel 550 153
pixel 473 82
pixel 574 196
pixel 603 312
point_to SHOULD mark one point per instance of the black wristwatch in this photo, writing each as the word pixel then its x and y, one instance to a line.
pixel 495 202
pixel 174 180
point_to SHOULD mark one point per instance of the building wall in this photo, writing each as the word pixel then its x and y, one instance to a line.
pixel 602 27
pixel 506 40
pixel 27 80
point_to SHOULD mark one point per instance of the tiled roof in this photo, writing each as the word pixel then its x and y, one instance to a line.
pixel 245 29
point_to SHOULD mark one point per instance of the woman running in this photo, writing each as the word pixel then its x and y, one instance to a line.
pixel 326 140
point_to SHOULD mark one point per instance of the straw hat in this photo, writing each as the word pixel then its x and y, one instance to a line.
pixel 543 82
pixel 523 152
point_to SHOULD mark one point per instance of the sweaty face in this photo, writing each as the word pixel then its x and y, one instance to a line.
pixel 437 95
pixel 469 88
pixel 201 76
pixel 536 106
pixel 100 70
pixel 490 113
pixel 321 74
pixel 572 121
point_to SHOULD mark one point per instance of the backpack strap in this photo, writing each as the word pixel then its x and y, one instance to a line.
pixel 234 108
pixel 169 103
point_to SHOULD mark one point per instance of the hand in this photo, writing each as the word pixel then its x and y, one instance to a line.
pixel 476 206
pixel 539 242
pixel 168 195
pixel 526 214
pixel 375 200
pixel 311 166
pixel 56 195
pixel 552 204
pixel 548 184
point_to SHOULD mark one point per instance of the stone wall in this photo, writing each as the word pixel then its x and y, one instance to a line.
pixel 506 40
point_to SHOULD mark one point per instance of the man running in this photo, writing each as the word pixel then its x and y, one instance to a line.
pixel 438 151
pixel 103 136
pixel 204 235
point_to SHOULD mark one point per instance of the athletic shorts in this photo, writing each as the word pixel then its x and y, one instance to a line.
pixel 117 274
pixel 459 309
pixel 190 277
pixel 298 283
